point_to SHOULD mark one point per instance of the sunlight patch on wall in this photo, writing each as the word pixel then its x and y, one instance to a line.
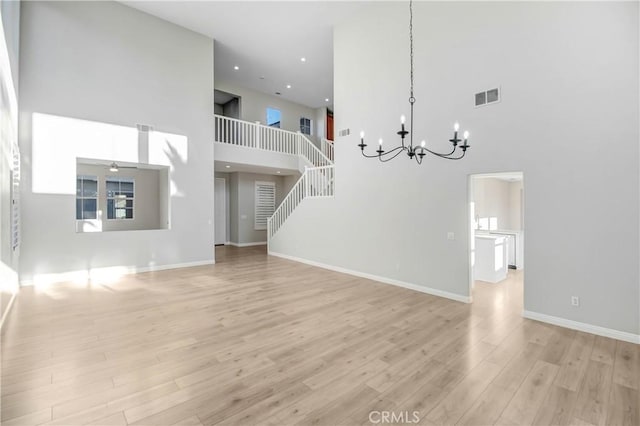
pixel 58 141
pixel 7 80
pixel 168 149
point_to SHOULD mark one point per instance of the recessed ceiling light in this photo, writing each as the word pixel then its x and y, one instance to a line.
pixel 236 67
pixel 326 99
pixel 288 86
pixel 278 172
pixel 303 59
pixel 228 167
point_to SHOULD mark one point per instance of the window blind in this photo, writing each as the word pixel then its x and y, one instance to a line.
pixel 265 203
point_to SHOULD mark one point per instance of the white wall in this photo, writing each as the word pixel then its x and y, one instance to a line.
pixel 227 183
pixel 499 200
pixel 568 119
pixel 242 209
pixel 288 182
pixel 516 195
pixel 253 106
pixel 320 123
pixel 91 71
pixel 230 153
pixel 9 66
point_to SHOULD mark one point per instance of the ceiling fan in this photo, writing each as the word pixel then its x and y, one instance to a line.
pixel 114 167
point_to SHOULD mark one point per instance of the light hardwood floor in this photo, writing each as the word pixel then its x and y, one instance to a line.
pixel 257 340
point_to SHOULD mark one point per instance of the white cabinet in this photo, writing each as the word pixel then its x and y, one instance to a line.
pixel 490 258
pixel 511 250
pixel 515 241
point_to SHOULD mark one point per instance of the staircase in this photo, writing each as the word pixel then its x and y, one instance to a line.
pixel 316 166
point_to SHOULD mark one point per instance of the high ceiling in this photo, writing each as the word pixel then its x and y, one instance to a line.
pixel 266 40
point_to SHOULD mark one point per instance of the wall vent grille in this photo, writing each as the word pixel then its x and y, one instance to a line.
pixel 487 97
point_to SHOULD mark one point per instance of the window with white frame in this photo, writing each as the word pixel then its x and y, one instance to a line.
pixel 274 116
pixel 305 126
pixel 86 197
pixel 120 197
pixel 265 203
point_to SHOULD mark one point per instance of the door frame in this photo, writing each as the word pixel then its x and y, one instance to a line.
pixel 471 229
pixel 215 216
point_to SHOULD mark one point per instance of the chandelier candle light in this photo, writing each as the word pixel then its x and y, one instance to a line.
pixel 416 152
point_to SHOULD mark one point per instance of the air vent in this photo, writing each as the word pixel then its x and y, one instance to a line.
pixel 487 97
pixel 344 132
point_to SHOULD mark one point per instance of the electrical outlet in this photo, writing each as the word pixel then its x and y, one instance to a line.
pixel 451 236
pixel 575 301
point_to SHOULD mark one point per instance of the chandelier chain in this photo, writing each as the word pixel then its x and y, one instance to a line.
pixel 411 46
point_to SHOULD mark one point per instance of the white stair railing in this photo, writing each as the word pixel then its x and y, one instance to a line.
pixel 235 132
pixel 315 182
pixel 255 135
pixel 311 153
pixel 327 148
pixel 278 140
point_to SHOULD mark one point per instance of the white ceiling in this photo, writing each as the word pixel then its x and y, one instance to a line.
pixel 266 39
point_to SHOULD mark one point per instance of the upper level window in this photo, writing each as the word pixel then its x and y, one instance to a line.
pixel 273 117
pixel 86 197
pixel 120 196
pixel 305 126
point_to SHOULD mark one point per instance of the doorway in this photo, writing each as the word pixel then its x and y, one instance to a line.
pixel 496 246
pixel 220 211
pixel 226 104
pixel 329 129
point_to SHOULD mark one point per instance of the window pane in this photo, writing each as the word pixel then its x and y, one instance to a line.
pixel 273 117
pixel 113 186
pixel 78 187
pixel 120 193
pixel 90 207
pixel 305 125
pixel 89 188
pixel 78 209
pixel 111 213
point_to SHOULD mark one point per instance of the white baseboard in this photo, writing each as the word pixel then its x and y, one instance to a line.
pixel 75 276
pixel 5 314
pixel 397 283
pixel 259 243
pixel 581 326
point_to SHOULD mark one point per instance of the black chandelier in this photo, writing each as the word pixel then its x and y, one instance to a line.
pixel 419 151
